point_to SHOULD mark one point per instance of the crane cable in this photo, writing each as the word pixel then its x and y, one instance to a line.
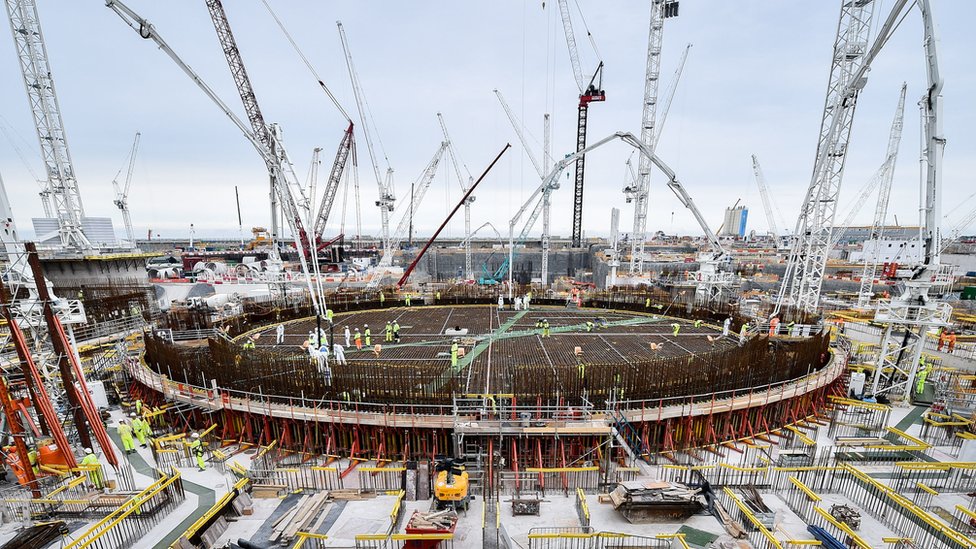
pixel 306 61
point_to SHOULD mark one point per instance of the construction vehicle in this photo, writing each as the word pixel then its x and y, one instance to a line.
pixel 451 484
pixel 261 238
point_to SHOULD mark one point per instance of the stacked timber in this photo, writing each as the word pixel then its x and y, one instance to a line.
pixel 656 501
pixel 305 516
pixel 441 521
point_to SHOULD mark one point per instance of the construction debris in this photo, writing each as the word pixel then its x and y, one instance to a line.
pixel 758 507
pixel 302 517
pixel 846 514
pixel 656 501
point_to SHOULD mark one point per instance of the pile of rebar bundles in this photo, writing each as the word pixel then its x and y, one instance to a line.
pixel 38 536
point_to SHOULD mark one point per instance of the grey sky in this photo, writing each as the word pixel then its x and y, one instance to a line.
pixel 754 83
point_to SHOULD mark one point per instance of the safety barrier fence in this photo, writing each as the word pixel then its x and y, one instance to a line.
pixel 582 509
pixel 897 512
pixel 721 474
pixel 586 538
pixel 312 477
pixel 956 477
pixel 135 517
pixel 193 533
pixel 550 479
pixel 69 493
pixel 110 327
pixel 947 431
pixel 966 520
pixel 856 418
pixel 756 531
pixel 381 479
pixel 398 541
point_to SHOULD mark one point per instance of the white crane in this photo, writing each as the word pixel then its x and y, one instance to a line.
pixel 420 189
pixel 870 267
pixel 915 309
pixel 660 10
pixel 803 279
pixel 61 194
pixel 387 195
pixel 279 168
pixel 465 185
pixel 766 200
pixel 122 193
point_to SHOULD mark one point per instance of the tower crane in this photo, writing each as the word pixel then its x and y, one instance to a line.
pixel 870 267
pixel 852 57
pixel 61 194
pixel 465 185
pixel 590 91
pixel 346 148
pixel 387 196
pixel 279 168
pixel 660 10
pixel 915 308
pixel 122 194
pixel 766 200
pixel 420 189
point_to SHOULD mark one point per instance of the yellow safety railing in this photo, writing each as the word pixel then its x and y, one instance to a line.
pixel 216 508
pixel 305 536
pixel 805 489
pixel 131 505
pixel 752 518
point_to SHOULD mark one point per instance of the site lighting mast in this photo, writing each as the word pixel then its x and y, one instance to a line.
pixel 61 194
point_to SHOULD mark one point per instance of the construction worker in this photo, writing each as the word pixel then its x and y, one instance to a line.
pixel 138 406
pixel 454 353
pixel 346 333
pixel 742 333
pixel 790 328
pixel 32 459
pixel 526 300
pixel 517 304
pixel 279 334
pixel 538 325
pixel 647 303
pixel 407 300
pixel 358 337
pixel 545 328
pixel 125 433
pixel 329 315
pixel 382 298
pixel 589 326
pixel 368 333
pixel 952 342
pixel 196 448
pixel 340 354
pixel 142 430
pixel 396 331
pixel 580 369
pixel 248 345
pixel 774 326
pixel 437 296
pixel 726 324
pixel 698 323
pixel 501 302
pixel 388 332
pixel 923 374
pixel 95 474
pixel 675 328
pixel 943 339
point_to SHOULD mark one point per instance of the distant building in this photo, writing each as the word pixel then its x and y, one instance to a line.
pixel 735 221
pixel 889 250
pixel 856 234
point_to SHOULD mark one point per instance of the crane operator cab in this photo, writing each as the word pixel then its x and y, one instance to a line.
pixel 450 484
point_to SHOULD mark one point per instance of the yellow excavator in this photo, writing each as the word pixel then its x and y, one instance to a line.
pixel 451 484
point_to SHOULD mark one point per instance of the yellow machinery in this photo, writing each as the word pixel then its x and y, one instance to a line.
pixel 450 484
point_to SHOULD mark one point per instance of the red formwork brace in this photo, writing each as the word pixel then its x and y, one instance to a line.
pixel 17 431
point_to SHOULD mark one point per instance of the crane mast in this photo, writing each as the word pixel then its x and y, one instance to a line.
pixel 420 189
pixel 870 267
pixel 808 256
pixel 764 194
pixel 591 91
pixel 387 198
pixel 648 134
pixel 465 185
pixel 122 194
pixel 61 194
pixel 912 312
pixel 346 146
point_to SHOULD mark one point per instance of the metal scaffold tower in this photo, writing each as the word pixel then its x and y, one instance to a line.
pixel 808 256
pixel 60 195
pixel 870 268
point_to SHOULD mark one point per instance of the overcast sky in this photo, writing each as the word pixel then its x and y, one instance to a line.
pixel 754 83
